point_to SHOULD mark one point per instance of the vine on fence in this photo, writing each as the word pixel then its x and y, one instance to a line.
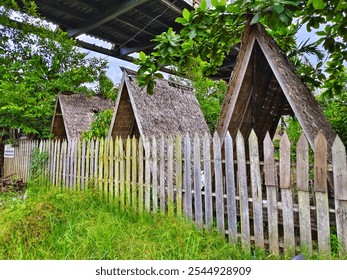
pixel 37 163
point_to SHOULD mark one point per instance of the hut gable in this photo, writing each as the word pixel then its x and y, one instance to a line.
pixel 265 86
pixel 172 109
pixel 74 114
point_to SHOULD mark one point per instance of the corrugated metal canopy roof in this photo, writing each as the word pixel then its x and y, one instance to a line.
pixel 128 25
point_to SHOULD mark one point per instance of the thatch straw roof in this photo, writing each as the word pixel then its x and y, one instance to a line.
pixel 172 109
pixel 74 114
pixel 263 87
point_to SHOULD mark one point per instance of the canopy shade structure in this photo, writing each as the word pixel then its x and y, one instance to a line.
pixel 125 26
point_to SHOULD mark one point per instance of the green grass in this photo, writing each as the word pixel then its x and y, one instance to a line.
pixel 53 224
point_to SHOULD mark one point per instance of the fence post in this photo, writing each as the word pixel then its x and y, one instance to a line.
pixel 178 148
pixel 271 190
pixel 134 187
pixel 321 193
pixel 187 178
pixel 147 174
pixel 230 187
pixel 286 195
pixel 256 190
pixel 140 178
pixel 302 172
pixel 154 175
pixel 217 156
pixel 243 190
pixel 162 174
pixel 340 184
pixel 110 178
pixel 121 174
pixel 197 182
pixel 170 196
pixel 208 181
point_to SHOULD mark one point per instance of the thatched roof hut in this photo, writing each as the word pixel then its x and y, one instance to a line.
pixel 172 109
pixel 263 87
pixel 74 114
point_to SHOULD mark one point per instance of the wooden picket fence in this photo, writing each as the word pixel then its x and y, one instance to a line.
pixel 256 197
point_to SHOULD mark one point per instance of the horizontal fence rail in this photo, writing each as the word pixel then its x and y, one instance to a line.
pixel 274 198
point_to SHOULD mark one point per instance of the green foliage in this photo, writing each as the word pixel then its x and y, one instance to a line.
pixel 100 126
pixel 210 95
pixel 36 64
pixel 335 109
pixel 37 163
pixel 106 88
pixel 208 34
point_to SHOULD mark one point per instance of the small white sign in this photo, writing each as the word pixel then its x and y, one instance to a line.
pixel 9 151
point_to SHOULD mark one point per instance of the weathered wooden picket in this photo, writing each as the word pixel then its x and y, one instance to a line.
pixel 259 198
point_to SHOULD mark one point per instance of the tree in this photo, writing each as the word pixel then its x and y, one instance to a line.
pixel 208 35
pixel 36 63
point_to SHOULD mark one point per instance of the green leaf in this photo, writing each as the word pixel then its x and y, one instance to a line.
pixel 203 5
pixel 278 8
pixel 143 56
pixel 318 4
pixel 284 18
pixel 186 14
pixel 181 20
pixel 215 3
pixel 256 18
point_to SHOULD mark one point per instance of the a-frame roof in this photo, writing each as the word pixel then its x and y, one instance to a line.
pixel 264 86
pixel 74 114
pixel 172 109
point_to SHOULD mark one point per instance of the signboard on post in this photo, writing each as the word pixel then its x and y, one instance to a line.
pixel 9 151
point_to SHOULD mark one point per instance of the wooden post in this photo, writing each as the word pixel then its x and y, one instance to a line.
pixel 121 174
pixel 302 172
pixel 271 190
pixel 188 210
pixel 230 186
pixel 116 168
pixel 147 174
pixel 243 190
pixel 111 170
pixel 134 202
pixel 321 194
pixel 286 195
pixel 256 190
pixel 178 149
pixel 208 181
pixel 218 183
pixel 162 174
pixel 128 172
pixel 83 165
pixel 154 175
pixel 140 178
pixel 340 184
pixel 197 182
pixel 170 194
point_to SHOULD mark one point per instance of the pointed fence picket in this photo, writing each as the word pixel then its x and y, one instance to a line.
pixel 250 195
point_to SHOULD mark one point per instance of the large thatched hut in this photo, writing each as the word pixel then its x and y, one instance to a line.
pixel 172 109
pixel 74 114
pixel 263 87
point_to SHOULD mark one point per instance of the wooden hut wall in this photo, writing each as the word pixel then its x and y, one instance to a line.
pixel 58 126
pixel 126 123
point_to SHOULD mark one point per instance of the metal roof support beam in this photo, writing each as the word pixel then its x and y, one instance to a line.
pixel 113 11
pixel 172 6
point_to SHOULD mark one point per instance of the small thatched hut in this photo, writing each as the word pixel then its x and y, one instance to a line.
pixel 74 114
pixel 263 87
pixel 172 109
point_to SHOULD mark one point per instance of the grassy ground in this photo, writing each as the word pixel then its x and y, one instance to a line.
pixel 52 224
